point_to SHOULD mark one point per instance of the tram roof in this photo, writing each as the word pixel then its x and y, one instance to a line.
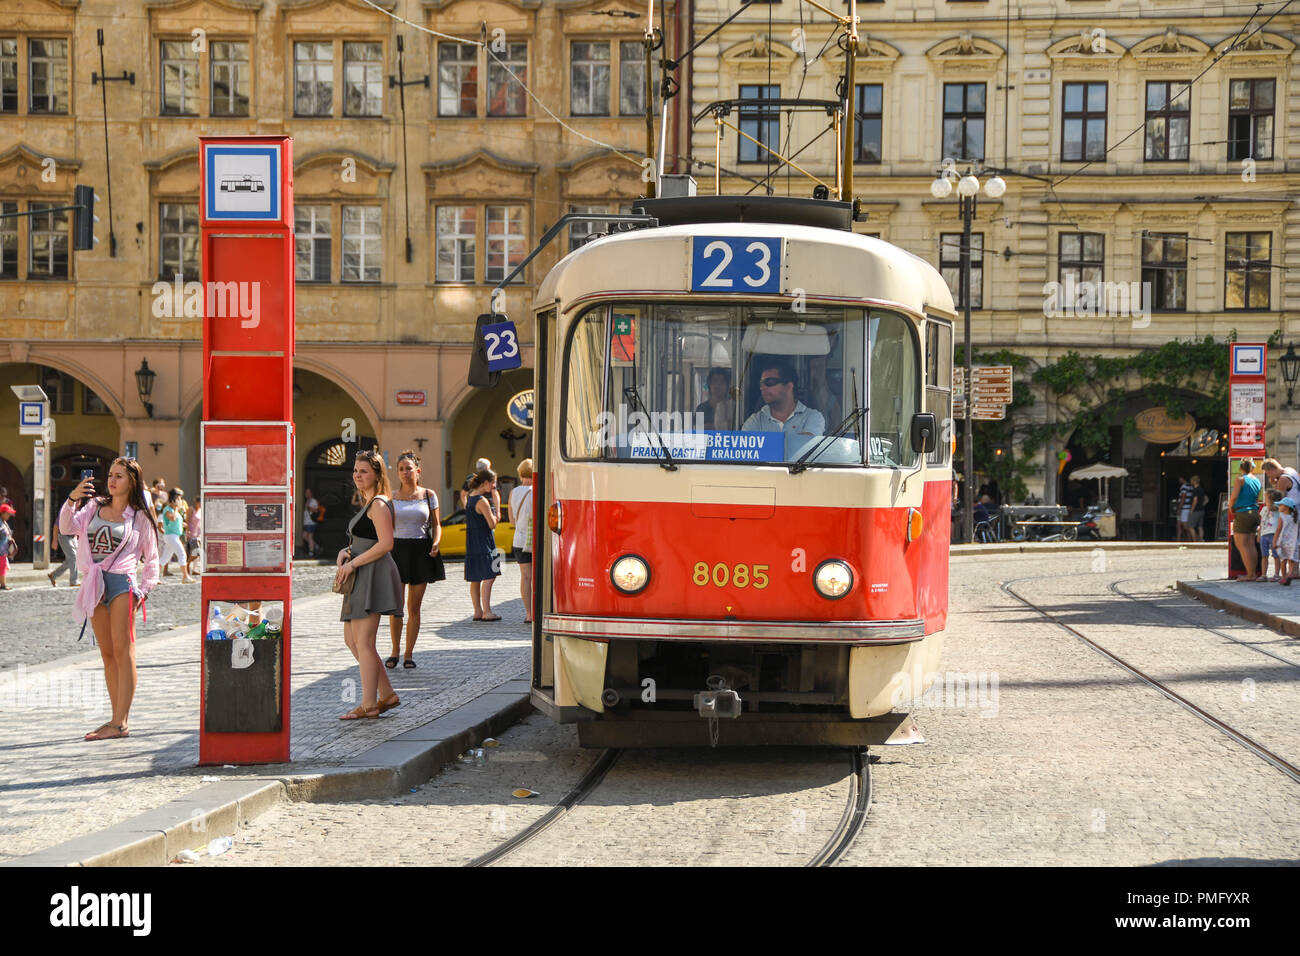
pixel 824 263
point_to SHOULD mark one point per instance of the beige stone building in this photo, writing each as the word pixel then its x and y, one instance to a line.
pixel 405 220
pixel 1118 172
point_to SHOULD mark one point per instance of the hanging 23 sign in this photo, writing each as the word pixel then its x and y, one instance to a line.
pixel 502 344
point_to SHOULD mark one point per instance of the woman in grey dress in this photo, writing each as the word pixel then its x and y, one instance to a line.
pixel 376 587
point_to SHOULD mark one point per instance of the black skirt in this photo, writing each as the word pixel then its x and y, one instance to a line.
pixel 414 563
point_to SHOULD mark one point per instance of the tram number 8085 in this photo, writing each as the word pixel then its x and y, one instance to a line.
pixel 740 575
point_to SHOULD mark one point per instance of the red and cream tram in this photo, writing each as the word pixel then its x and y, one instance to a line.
pixel 744 479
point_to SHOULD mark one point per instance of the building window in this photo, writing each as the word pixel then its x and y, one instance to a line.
pixel 1248 270
pixel 950 266
pixel 92 404
pixel 363 79
pixel 762 124
pixel 1169 121
pixel 1164 272
pixel 631 78
pixel 311 243
pixel 1250 119
pixel 457 228
pixel 963 120
pixel 457 79
pixel 229 78
pixel 1081 258
pixel 867 122
pixel 59 386
pixel 8 75
pixel 363 245
pixel 1083 127
pixel 178 241
pixel 180 79
pixel 313 79
pixel 506 96
pixel 580 233
pixel 589 79
pixel 48 243
pixel 8 242
pixel 505 241
pixel 47 75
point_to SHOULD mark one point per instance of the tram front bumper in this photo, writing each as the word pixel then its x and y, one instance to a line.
pixel 856 633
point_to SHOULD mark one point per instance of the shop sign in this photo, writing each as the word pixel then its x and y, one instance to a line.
pixel 413 396
pixel 1157 426
pixel 520 409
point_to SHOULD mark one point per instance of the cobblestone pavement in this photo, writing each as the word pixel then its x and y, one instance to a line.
pixel 1058 757
pixel 54 786
pixel 37 626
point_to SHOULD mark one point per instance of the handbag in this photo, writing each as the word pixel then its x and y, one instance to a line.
pixel 345 586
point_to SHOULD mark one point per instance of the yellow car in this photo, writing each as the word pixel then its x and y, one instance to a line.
pixel 452 544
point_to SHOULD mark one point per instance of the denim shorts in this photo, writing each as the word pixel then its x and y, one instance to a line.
pixel 1266 544
pixel 115 585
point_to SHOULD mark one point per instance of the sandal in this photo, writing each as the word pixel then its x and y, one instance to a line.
pixel 492 619
pixel 98 733
pixel 408 663
pixel 388 703
pixel 361 711
pixel 390 662
pixel 53 583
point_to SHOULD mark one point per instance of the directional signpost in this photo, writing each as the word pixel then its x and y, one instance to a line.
pixel 991 392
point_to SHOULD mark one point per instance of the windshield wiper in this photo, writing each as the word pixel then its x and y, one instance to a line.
pixel 633 395
pixel 851 419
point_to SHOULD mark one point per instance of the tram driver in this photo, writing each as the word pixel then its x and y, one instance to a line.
pixel 782 412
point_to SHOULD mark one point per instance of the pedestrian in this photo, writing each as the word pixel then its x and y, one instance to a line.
pixel 118 559
pixel 173 548
pixel 311 515
pixel 8 546
pixel 1288 538
pixel 68 546
pixel 417 534
pixel 1245 517
pixel 1285 480
pixel 482 558
pixel 1199 500
pixel 370 583
pixel 1268 526
pixel 484 464
pixel 1184 508
pixel 194 536
pixel 521 513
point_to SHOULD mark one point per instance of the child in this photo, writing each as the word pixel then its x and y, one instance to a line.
pixel 6 539
pixel 1286 537
pixel 1268 525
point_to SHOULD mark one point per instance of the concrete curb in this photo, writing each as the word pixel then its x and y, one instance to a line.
pixel 220 809
pixel 1275 622
pixel 1010 548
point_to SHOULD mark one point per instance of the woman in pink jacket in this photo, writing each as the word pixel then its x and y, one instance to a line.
pixel 119 557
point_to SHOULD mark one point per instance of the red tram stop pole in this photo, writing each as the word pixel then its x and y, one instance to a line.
pixel 246 447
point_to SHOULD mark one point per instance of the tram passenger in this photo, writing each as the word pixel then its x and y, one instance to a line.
pixel 718 407
pixel 782 412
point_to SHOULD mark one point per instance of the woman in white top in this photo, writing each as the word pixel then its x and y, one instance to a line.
pixel 521 513
pixel 417 532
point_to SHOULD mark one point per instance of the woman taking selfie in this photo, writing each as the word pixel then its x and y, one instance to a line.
pixel 118 558
pixel 368 580
pixel 417 533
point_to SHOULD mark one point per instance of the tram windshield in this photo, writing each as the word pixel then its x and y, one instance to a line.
pixel 744 384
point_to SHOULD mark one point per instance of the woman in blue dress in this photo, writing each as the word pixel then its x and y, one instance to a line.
pixel 482 557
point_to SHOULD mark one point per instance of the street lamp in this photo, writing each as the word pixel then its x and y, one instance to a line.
pixel 968 188
pixel 144 377
pixel 1290 371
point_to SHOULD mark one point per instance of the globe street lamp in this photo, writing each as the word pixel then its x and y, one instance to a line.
pixel 968 188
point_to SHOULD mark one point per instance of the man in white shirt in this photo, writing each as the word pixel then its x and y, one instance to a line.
pixel 782 412
pixel 1285 480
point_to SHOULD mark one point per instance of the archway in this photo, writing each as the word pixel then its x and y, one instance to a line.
pixel 480 428
pixel 330 428
pixel 1157 464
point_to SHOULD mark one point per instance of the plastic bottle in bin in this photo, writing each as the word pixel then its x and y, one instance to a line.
pixel 215 631
pixel 257 632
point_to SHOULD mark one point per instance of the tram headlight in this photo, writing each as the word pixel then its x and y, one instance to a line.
pixel 833 579
pixel 630 574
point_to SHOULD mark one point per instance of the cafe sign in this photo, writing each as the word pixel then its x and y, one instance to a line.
pixel 520 409
pixel 1158 427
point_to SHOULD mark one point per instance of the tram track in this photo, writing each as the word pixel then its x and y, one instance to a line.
pixel 850 825
pixel 1242 739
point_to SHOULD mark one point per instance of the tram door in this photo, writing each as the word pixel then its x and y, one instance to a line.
pixel 546 407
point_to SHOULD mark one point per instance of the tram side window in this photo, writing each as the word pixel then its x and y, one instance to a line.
pixel 586 398
pixel 894 367
pixel 938 386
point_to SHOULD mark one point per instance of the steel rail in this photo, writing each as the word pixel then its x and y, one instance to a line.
pixel 1249 743
pixel 589 782
pixel 855 812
